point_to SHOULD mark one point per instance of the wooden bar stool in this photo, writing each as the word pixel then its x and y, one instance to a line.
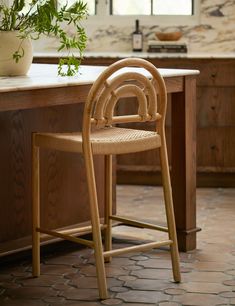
pixel 127 77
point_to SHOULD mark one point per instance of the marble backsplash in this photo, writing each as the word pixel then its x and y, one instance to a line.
pixel 214 33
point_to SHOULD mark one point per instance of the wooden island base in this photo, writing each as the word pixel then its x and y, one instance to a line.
pixel 64 189
pixel 45 102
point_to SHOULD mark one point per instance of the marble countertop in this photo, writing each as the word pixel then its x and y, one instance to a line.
pixel 45 76
pixel 196 55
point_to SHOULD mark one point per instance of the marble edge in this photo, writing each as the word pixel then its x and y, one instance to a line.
pixel 90 54
pixel 33 80
pixel 50 84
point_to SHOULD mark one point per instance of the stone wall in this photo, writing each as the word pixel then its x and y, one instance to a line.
pixel 214 33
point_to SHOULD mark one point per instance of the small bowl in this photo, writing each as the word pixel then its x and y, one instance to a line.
pixel 169 36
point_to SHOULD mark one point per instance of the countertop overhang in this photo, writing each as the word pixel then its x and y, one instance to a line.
pixel 46 76
pixel 111 54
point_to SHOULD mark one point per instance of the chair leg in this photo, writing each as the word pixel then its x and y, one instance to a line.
pixel 96 232
pixel 108 205
pixel 35 210
pixel 170 212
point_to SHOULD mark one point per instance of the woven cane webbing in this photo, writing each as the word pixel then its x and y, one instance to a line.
pixel 109 140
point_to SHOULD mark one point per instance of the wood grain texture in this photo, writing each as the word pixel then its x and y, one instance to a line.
pixel 219 109
pixel 185 198
pixel 63 177
pixel 183 155
pixel 39 102
pixel 43 97
pixel 215 122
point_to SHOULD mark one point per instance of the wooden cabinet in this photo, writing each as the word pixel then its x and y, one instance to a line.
pixel 215 124
pixel 215 118
pixel 64 202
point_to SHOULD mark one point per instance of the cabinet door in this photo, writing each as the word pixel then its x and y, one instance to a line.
pixel 215 125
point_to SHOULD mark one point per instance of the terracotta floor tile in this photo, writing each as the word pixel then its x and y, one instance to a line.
pixel 9 285
pixel 31 292
pixel 230 272
pixel 147 284
pixel 196 276
pixel 227 294
pixel 156 263
pixel 174 291
pixel 147 297
pixel 168 304
pixel 211 266
pixel 142 278
pixel 54 300
pixel 118 289
pixel 133 267
pixel 56 269
pixel 199 299
pixel 5 277
pixel 42 281
pixel 229 282
pixel 126 278
pixel 138 304
pixel 162 274
pixel 111 302
pixel 203 287
pixel 23 302
pixel 80 294
pixel 91 282
pixel 84 282
pixel 79 303
pixel 64 260
pixel 139 258
pixel 120 261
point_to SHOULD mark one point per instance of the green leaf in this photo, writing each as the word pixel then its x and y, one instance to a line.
pixel 17 55
pixel 68 67
pixel 42 17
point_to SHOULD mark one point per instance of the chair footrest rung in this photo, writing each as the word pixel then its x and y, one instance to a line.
pixel 142 247
pixel 67 237
pixel 139 224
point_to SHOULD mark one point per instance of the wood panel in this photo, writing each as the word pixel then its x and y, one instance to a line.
pixel 64 193
pixel 217 73
pixel 213 72
pixel 215 106
pixel 215 149
pixel 36 98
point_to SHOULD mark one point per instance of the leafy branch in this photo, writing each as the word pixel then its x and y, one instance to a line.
pixel 42 17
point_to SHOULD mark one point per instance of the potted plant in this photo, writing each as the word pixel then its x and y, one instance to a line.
pixel 23 21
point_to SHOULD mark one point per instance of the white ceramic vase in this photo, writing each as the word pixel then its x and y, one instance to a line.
pixel 9 44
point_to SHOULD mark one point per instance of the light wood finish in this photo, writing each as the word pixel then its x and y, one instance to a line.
pixel 138 248
pixel 104 139
pixel 35 208
pixel 135 223
pixel 108 204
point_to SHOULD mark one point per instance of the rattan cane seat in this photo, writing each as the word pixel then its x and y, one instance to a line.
pixel 108 140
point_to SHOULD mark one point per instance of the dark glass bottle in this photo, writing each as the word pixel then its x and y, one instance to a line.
pixel 137 38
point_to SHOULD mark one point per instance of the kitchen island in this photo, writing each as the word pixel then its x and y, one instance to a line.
pixel 215 114
pixel 42 101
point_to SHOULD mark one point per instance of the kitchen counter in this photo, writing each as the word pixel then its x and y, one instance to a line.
pixel 45 76
pixel 43 101
pixel 107 54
